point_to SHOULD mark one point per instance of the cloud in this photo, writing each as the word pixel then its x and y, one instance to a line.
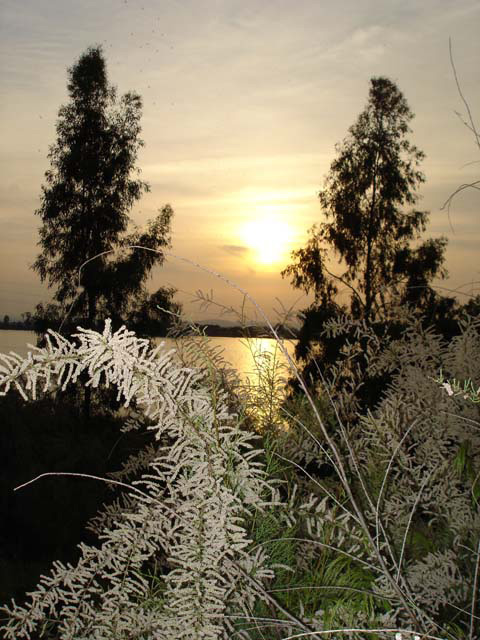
pixel 365 44
pixel 235 249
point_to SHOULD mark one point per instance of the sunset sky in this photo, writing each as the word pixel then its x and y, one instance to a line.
pixel 243 103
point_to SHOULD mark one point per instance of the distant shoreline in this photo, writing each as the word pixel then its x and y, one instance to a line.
pixel 218 331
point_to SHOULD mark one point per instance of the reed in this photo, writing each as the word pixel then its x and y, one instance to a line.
pixel 258 516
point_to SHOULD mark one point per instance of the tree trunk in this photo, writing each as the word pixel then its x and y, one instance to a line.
pixel 368 268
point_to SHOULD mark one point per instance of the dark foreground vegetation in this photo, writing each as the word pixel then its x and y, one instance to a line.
pixel 46 520
pixel 404 467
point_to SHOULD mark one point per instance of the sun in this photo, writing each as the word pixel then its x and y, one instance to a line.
pixel 268 236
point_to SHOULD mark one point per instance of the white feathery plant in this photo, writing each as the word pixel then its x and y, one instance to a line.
pixel 212 515
pixel 413 467
pixel 211 482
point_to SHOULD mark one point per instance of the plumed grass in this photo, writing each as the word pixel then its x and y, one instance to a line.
pixel 251 515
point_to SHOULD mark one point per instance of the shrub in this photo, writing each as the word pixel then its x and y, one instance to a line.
pixel 202 545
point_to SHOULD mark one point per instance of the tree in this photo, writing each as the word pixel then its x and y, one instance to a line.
pixel 27 319
pixel 6 321
pixel 88 194
pixel 373 177
pixel 85 203
pixel 150 314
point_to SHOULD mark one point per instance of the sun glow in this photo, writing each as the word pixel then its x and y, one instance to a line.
pixel 269 237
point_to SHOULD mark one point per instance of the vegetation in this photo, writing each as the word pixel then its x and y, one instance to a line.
pixel 39 437
pixel 89 191
pixel 373 177
pixel 243 514
pixel 25 324
pixel 84 210
pixel 210 538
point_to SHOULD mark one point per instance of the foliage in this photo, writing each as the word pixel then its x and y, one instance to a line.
pixel 413 465
pixel 213 538
pixel 44 436
pixel 374 175
pixel 85 204
pixel 210 484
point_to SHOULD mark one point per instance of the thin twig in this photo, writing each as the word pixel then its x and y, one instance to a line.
pixel 417 500
pixel 472 123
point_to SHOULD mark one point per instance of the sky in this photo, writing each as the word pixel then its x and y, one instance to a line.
pixel 243 104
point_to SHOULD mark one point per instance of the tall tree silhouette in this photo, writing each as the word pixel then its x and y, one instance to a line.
pixel 373 177
pixel 85 203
